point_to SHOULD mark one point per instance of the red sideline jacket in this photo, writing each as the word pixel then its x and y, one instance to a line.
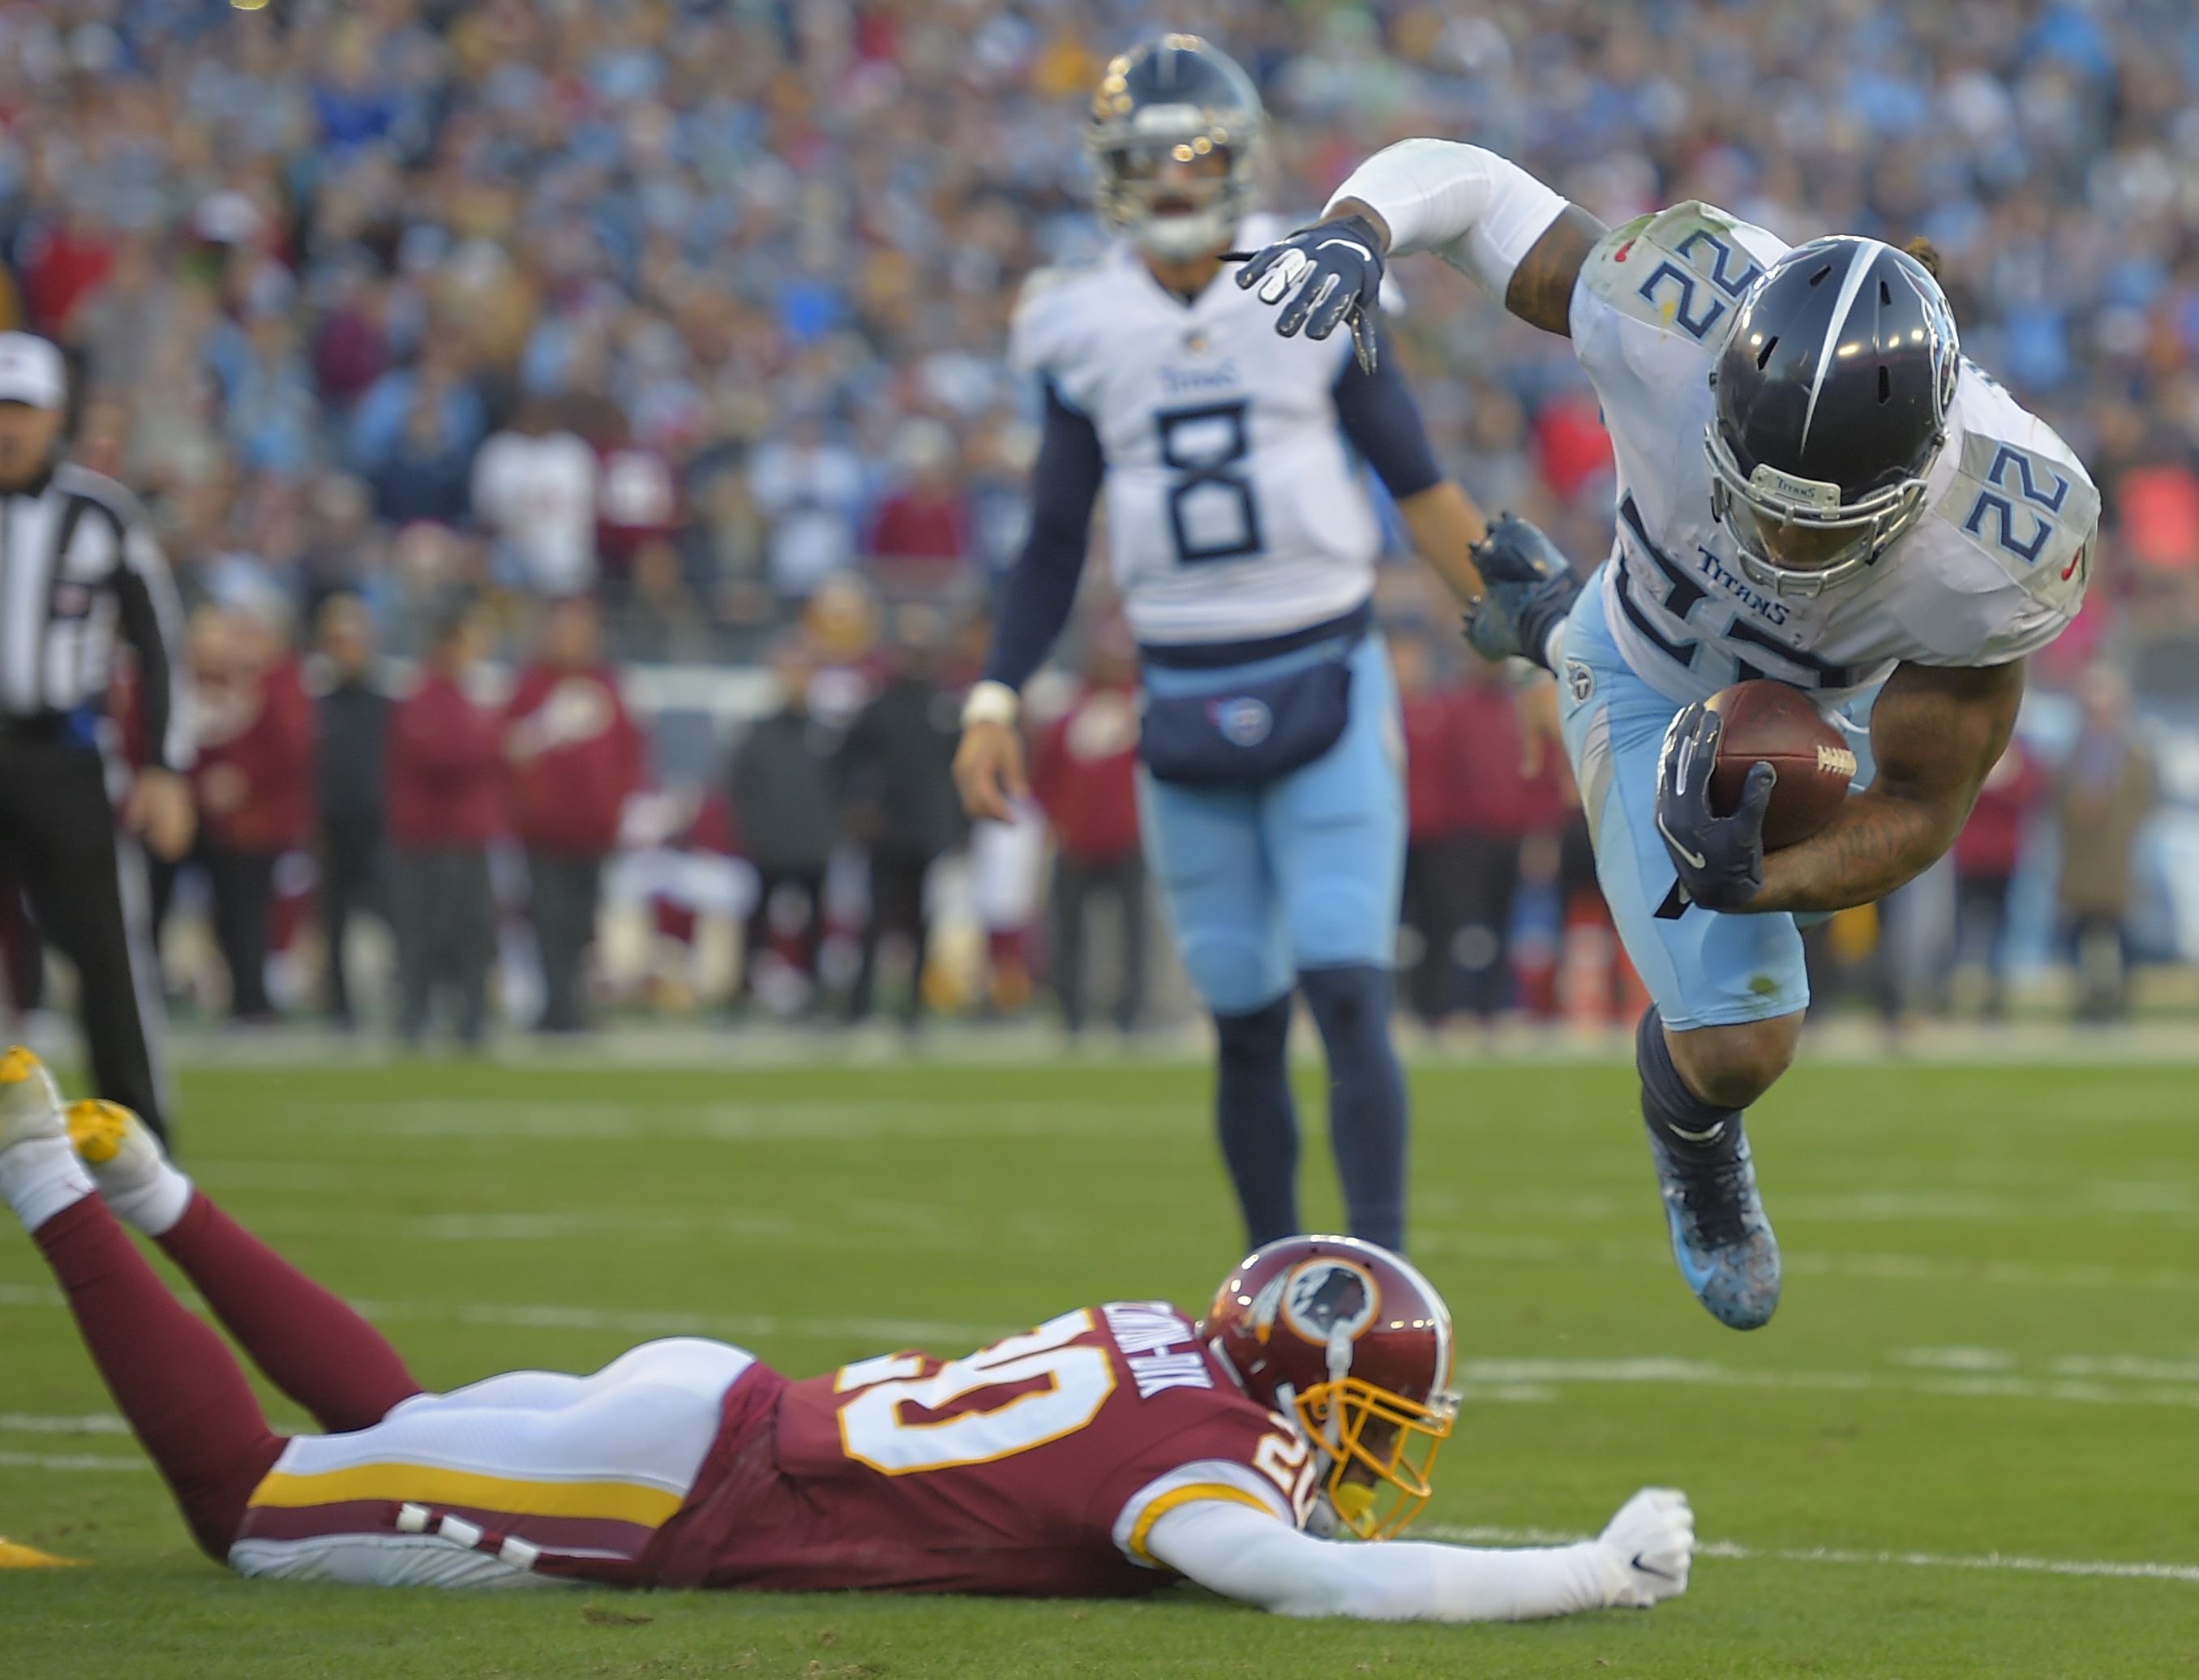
pixel 446 768
pixel 252 780
pixel 1084 771
pixel 1434 793
pixel 1992 841
pixel 1484 750
pixel 573 755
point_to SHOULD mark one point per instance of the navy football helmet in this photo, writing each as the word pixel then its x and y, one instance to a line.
pixel 1831 399
pixel 1175 140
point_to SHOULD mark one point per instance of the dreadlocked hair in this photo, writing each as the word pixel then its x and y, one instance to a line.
pixel 1926 252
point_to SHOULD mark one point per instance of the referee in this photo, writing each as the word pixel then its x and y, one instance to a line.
pixel 78 569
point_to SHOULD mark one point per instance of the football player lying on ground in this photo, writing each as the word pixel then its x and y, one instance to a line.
pixel 1106 1452
pixel 1814 485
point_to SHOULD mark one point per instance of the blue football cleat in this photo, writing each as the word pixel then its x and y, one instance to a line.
pixel 1720 1237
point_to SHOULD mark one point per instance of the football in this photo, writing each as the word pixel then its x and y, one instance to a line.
pixel 1777 724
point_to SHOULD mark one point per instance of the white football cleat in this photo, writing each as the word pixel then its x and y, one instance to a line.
pixel 129 1165
pixel 118 1147
pixel 30 1101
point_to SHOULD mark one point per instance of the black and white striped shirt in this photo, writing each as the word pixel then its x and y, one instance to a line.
pixel 79 568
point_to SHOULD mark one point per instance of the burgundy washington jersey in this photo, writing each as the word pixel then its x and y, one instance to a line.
pixel 1036 1465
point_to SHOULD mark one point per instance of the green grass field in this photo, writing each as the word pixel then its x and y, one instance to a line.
pixel 1988 1354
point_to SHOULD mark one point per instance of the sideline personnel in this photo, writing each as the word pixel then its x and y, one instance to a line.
pixel 80 570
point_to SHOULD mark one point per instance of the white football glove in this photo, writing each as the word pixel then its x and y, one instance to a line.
pixel 1647 1547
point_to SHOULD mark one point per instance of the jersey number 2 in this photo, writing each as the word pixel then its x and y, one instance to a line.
pixel 877 1427
pixel 2038 500
pixel 1200 445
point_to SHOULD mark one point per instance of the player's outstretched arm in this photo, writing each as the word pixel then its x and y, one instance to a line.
pixel 1937 732
pixel 1480 213
pixel 1641 1557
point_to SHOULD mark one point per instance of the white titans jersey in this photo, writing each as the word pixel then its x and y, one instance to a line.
pixel 1234 509
pixel 1994 569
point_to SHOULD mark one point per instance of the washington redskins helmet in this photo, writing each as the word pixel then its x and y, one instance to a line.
pixel 1352 1342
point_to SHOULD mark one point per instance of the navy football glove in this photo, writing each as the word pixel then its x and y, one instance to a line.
pixel 1527 587
pixel 1331 272
pixel 1720 859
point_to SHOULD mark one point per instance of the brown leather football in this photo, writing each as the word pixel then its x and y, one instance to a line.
pixel 1777 724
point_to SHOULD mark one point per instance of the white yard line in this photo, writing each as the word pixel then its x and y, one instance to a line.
pixel 1991 1561
pixel 1887 1267
pixel 1959 1372
pixel 71 1461
pixel 1519 1379
pixel 948 1335
pixel 1731 1550
pixel 86 1423
pixel 915 1224
pixel 795 1122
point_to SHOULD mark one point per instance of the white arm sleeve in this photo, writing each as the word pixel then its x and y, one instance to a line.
pixel 1243 1554
pixel 1479 212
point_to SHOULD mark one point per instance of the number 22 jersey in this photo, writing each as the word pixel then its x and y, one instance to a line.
pixel 1994 569
pixel 1034 1466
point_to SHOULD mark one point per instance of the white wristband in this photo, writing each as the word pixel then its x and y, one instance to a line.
pixel 991 701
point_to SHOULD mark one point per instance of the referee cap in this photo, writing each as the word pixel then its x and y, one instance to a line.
pixel 31 370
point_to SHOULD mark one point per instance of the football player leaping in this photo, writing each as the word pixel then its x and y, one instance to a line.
pixel 1243 544
pixel 1106 1452
pixel 1813 485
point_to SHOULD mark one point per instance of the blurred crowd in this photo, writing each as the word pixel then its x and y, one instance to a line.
pixel 411 317
pixel 436 848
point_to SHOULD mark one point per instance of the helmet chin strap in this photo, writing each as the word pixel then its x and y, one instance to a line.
pixel 1339 1355
pixel 1221 1357
pixel 1340 1367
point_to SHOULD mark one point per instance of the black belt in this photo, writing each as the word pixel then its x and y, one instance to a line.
pixel 1211 656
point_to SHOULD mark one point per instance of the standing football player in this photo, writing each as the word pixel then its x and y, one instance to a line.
pixel 1814 486
pixel 1244 543
pixel 1105 1453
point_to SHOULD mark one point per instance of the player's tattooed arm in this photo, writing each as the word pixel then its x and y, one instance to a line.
pixel 1541 292
pixel 1936 731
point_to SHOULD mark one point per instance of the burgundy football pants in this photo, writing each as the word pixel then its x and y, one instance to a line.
pixel 176 1381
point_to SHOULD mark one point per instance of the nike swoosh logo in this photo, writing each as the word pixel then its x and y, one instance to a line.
pixel 1662 1575
pixel 1694 860
pixel 1347 244
pixel 1695 1276
pixel 1711 1136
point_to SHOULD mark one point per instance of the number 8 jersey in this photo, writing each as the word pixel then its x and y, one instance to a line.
pixel 1995 569
pixel 1235 508
pixel 1035 1467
